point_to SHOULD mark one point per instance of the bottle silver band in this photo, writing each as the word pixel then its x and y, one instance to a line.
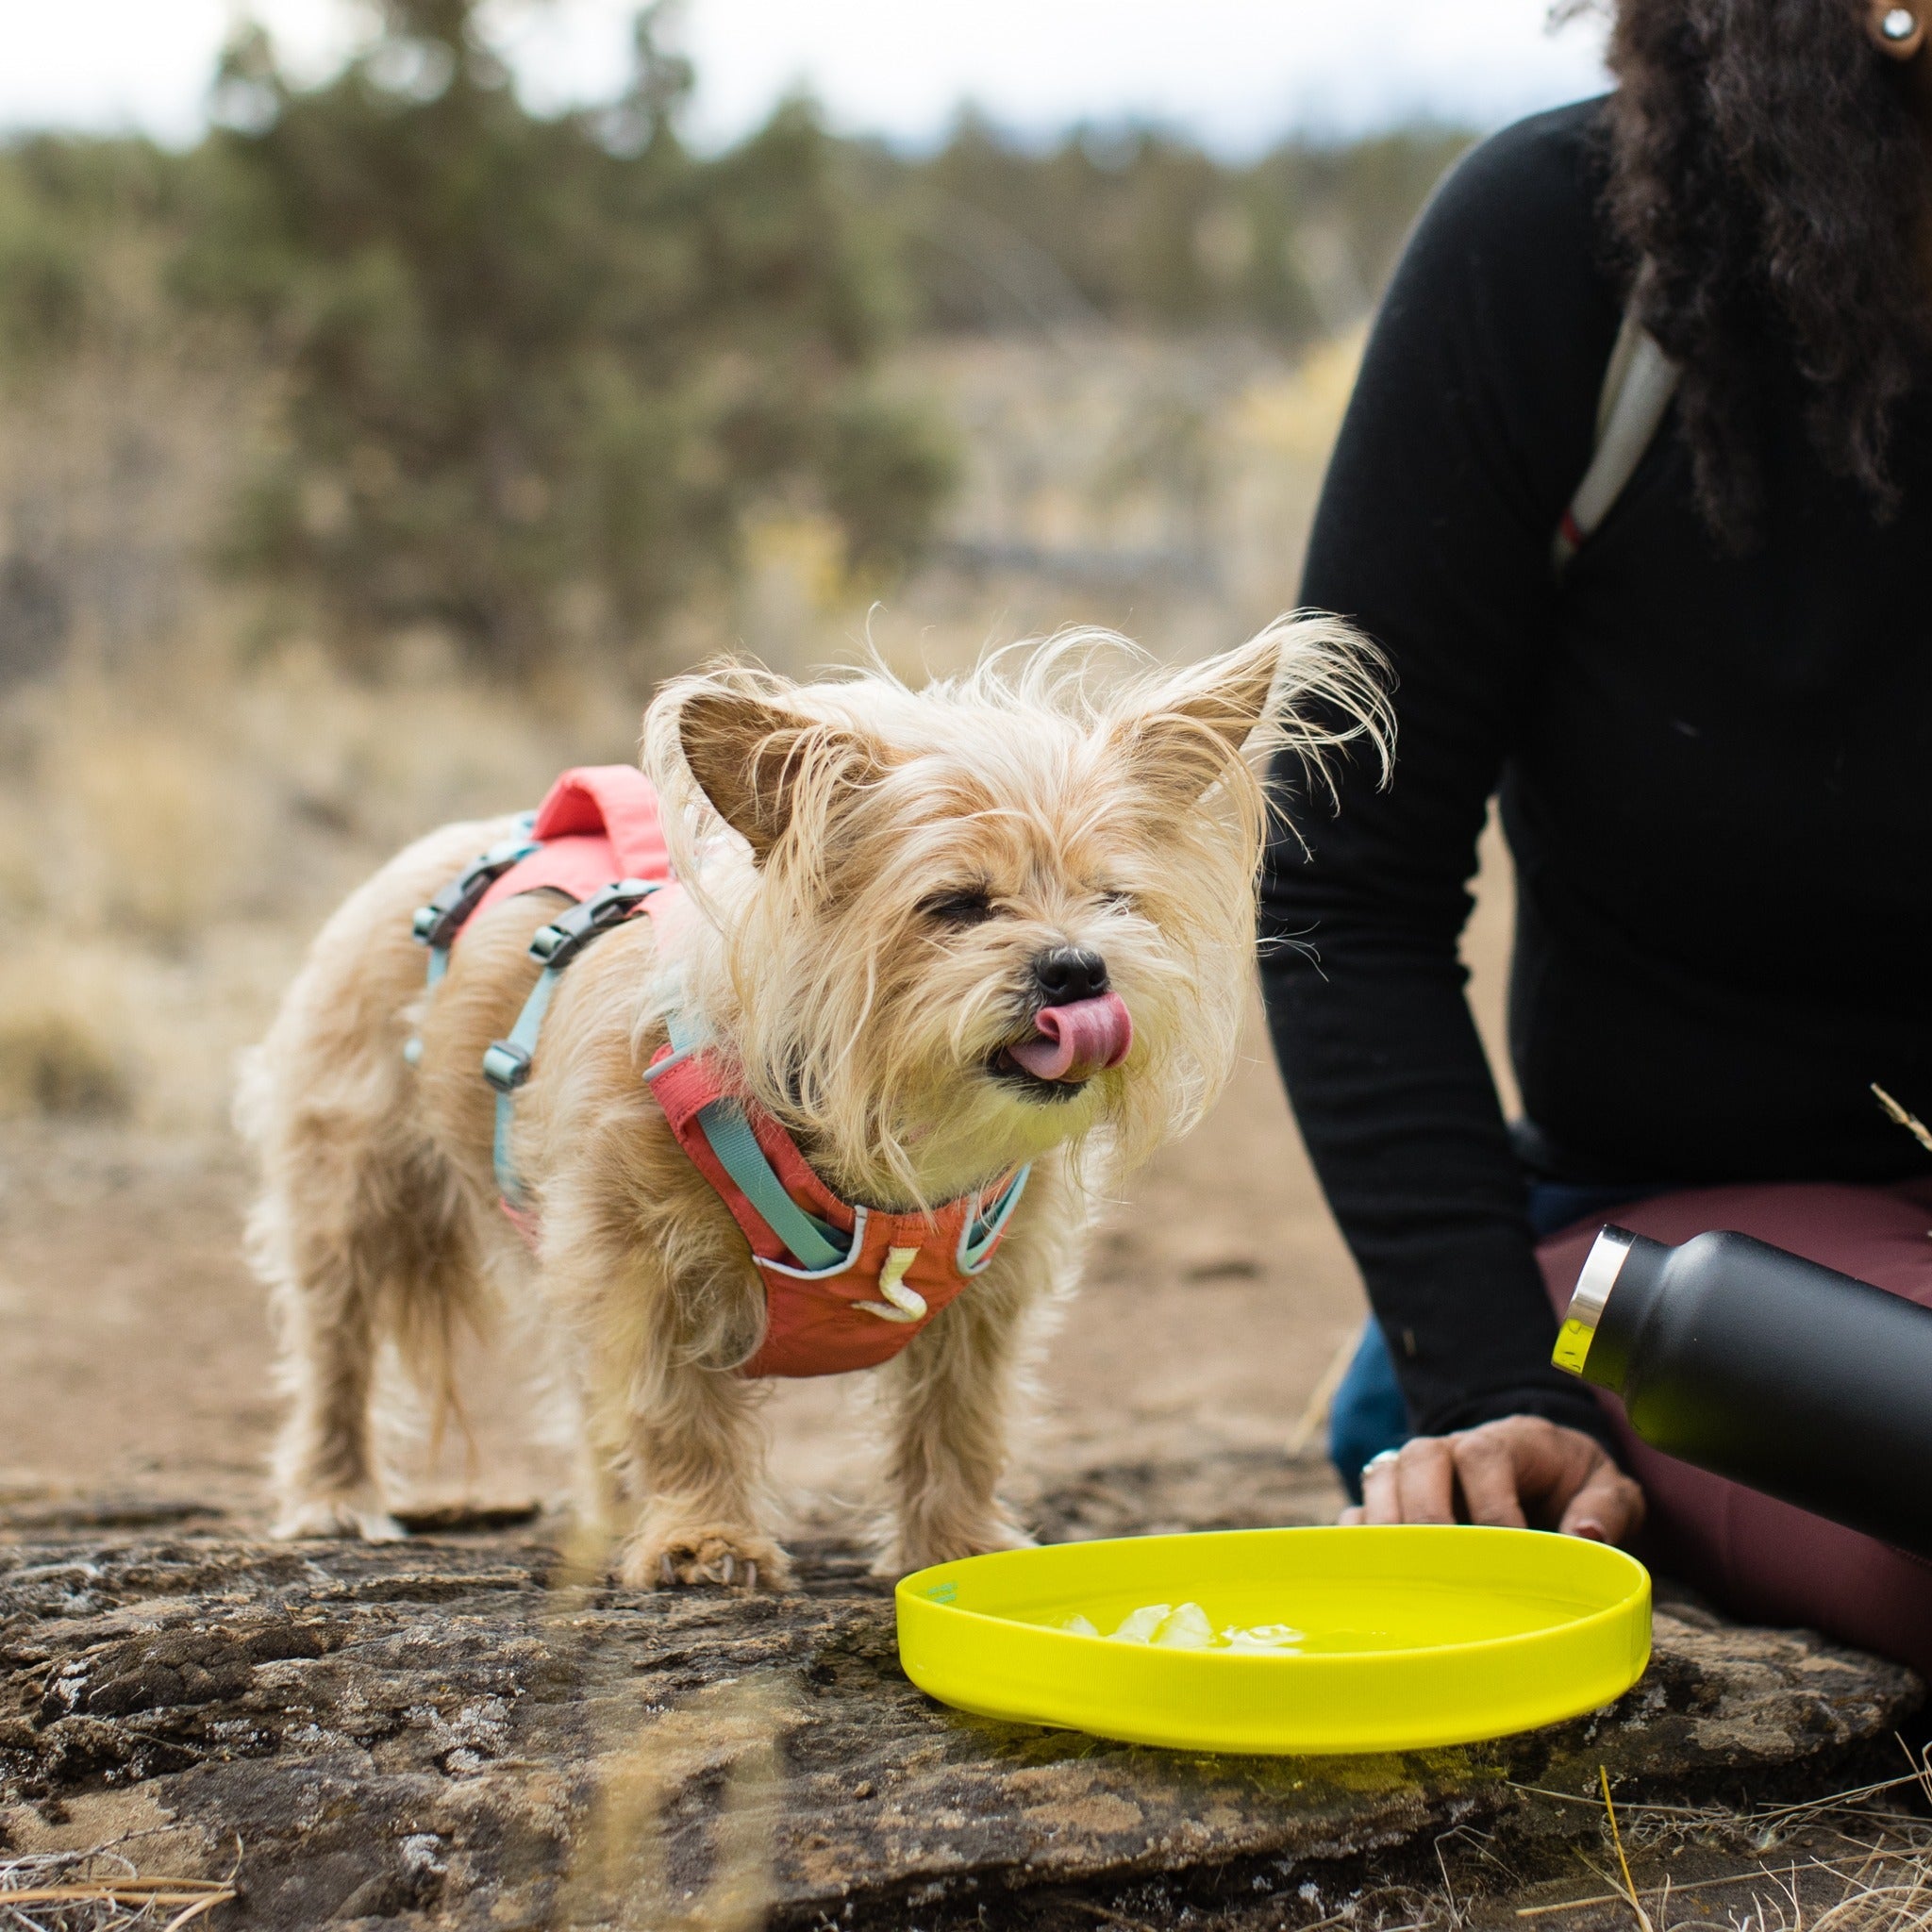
pixel 1601 1268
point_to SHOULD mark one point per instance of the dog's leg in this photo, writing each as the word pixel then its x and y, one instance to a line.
pixel 698 1457
pixel 950 1397
pixel 600 1506
pixel 325 1481
pixel 684 1440
pixel 354 1250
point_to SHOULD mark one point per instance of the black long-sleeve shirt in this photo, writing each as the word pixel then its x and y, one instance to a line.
pixel 1715 775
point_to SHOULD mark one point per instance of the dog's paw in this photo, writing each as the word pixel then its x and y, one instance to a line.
pixel 920 1548
pixel 359 1515
pixel 664 1559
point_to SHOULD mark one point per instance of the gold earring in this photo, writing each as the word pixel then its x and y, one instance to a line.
pixel 1901 23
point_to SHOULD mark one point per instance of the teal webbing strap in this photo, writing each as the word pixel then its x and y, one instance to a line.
pixel 813 1244
pixel 522 1041
pixel 684 1042
pixel 987 1228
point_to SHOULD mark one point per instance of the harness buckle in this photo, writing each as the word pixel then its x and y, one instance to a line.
pixel 506 1065
pixel 438 923
pixel 557 944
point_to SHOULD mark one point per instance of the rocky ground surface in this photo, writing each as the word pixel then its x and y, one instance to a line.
pixel 454 1733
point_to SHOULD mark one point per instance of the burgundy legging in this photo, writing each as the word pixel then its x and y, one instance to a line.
pixel 1758 1559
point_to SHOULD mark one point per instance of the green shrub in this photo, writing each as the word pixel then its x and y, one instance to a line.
pixel 1142 228
pixel 532 357
pixel 56 1062
pixel 83 224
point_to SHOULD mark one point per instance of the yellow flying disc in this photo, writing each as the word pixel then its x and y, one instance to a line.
pixel 1352 1639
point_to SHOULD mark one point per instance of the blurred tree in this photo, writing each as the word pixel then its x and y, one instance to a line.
pixel 82 226
pixel 1134 226
pixel 533 375
pixel 538 365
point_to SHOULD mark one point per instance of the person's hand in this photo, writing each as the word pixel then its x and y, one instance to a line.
pixel 1520 1473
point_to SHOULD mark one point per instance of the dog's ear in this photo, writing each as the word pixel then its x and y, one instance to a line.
pixel 757 763
pixel 1182 735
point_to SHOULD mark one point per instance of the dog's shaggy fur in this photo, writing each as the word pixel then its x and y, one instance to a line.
pixel 872 872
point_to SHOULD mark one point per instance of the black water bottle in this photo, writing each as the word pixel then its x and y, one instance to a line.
pixel 1783 1376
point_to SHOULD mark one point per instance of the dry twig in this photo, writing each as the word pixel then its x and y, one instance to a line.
pixel 120 1901
pixel 1910 1122
pixel 1622 1863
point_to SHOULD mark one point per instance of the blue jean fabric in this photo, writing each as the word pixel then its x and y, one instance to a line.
pixel 1367 1414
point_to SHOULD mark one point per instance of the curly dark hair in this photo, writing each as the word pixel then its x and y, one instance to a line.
pixel 1770 193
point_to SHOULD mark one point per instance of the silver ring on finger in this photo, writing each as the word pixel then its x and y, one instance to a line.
pixel 1381 1460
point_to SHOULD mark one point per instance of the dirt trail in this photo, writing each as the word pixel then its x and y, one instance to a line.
pixel 137 1347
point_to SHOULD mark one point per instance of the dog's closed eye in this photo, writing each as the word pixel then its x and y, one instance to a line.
pixel 959 906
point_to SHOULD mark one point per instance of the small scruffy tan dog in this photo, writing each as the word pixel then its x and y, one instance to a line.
pixel 931 939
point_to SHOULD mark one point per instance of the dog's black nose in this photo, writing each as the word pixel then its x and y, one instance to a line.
pixel 1067 973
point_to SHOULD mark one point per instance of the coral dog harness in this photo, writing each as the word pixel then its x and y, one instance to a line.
pixel 846 1287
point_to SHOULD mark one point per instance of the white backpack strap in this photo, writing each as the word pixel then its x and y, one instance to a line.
pixel 1638 387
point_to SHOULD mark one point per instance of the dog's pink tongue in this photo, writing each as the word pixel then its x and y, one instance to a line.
pixel 1076 1041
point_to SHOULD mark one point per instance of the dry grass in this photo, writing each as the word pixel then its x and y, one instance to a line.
pixel 168 841
pixel 621 1874
pixel 620 1869
pixel 181 805
pixel 100 1890
pixel 1850 1861
pixel 61 1053
pixel 1857 1860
